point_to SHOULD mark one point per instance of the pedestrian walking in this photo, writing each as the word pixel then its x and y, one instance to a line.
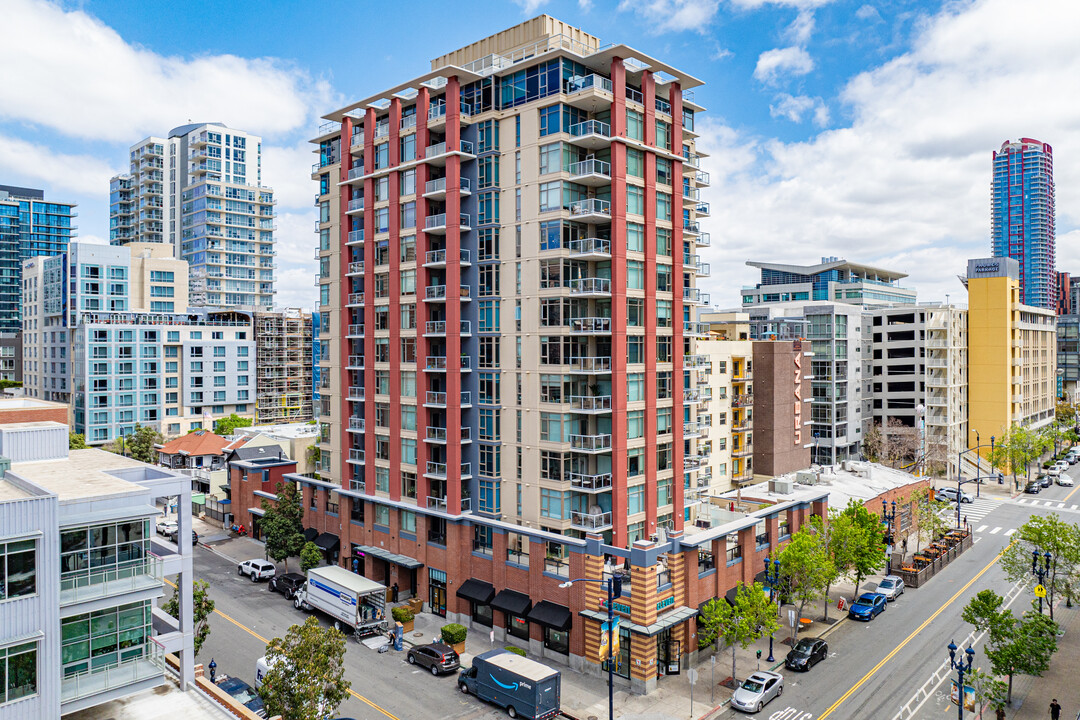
pixel 1055 710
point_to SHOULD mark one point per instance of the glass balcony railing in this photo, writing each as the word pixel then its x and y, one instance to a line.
pixel 138 663
pixel 125 577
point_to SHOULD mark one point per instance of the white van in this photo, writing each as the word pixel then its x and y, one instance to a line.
pixel 261 668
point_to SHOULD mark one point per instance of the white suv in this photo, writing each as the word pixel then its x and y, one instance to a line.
pixel 949 494
pixel 257 569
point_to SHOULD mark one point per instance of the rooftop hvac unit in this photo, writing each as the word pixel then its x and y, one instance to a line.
pixel 806 477
pixel 781 486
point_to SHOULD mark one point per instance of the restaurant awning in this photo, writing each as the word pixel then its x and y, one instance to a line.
pixel 403 560
pixel 476 591
pixel 670 619
pixel 327 541
pixel 310 534
pixel 553 615
pixel 512 602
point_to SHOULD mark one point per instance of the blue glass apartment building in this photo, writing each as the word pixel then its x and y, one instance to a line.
pixel 1022 217
pixel 833 280
pixel 30 226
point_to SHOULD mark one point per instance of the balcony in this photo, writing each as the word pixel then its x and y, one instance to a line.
pixel 591 134
pixel 590 522
pixel 589 365
pixel 742 451
pixel 591 403
pixel 438 153
pixel 436 503
pixel 590 287
pixel 590 443
pixel 436 189
pixel 356 362
pixel 437 258
pixel 696 329
pixel 355 331
pixel 591 326
pixel 355 300
pixel 590 483
pixel 696 361
pixel 691 163
pixel 356 206
pixel 435 293
pixel 356 392
pixel 702 178
pixel 356 424
pixel 702 209
pixel 356 456
pixel 140 664
pixel 436 224
pixel 591 172
pixel 703 240
pixel 691 228
pixel 590 249
pixel 79 586
pixel 356 237
pixel 355 172
pixel 694 295
pixel 591 210
pixel 690 195
pixel 591 93
pixel 691 430
pixel 742 400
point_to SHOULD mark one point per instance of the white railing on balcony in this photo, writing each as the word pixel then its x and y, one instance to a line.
pixel 590 402
pixel 356 392
pixel 435 292
pixel 356 454
pixel 590 285
pixel 435 327
pixel 356 298
pixel 407 122
pixel 356 236
pixel 149 663
pixel 434 397
pixel 591 166
pixel 591 325
pixel 590 127
pixel 590 364
pixel 581 83
pixel 436 468
pixel 590 246
pixel 439 185
pixel 436 433
pixel 357 204
pixel 436 503
pixel 590 521
pixel 89 583
pixel 356 423
pixel 582 481
pixel 356 329
pixel 356 361
pixel 590 206
pixel 590 442
pixel 435 221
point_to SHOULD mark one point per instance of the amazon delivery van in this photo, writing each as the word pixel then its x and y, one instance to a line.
pixel 523 687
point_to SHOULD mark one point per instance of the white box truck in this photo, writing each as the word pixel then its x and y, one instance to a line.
pixel 351 599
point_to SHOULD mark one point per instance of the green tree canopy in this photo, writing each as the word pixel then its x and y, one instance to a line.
pixel 837 539
pixel 1042 534
pixel 283 524
pixel 227 425
pixel 311 556
pixel 76 441
pixel 805 568
pixel 866 544
pixel 930 520
pixel 139 444
pixel 306 676
pixel 752 617
pixel 203 607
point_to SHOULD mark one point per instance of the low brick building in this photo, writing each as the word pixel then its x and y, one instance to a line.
pixel 253 480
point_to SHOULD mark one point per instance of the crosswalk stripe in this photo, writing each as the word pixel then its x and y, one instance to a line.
pixel 981 528
pixel 995 531
pixel 1061 505
pixel 1073 507
pixel 1010 531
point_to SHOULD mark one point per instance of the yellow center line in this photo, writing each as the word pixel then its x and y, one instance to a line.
pixel 251 632
pixel 1070 494
pixel 908 639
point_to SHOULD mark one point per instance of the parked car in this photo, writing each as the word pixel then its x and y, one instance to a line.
pixel 891 586
pixel 257 569
pixel 436 657
pixel 174 536
pixel 243 694
pixel 1071 458
pixel 1045 481
pixel 287 584
pixel 165 526
pixel 1034 487
pixel 1053 471
pixel 1064 480
pixel 867 606
pixel 949 494
pixel 757 690
pixel 807 653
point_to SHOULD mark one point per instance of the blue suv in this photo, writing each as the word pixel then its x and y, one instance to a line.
pixel 868 606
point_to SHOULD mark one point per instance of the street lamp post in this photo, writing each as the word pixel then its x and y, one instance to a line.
pixel 960 668
pixel 772 577
pixel 613 585
pixel 888 518
pixel 1040 572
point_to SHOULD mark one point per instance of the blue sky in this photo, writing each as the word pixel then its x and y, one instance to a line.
pixel 858 129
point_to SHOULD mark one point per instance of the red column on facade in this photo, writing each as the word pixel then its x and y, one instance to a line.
pixel 369 304
pixel 395 298
pixel 648 91
pixel 453 298
pixel 344 345
pixel 618 303
pixel 423 346
pixel 675 98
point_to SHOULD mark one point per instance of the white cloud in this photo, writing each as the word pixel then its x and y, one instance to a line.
pixel 584 5
pixel 800 30
pixel 775 63
pixel 58 171
pixel 296 249
pixel 795 107
pixel 906 184
pixel 81 78
pixel 663 16
pixel 720 52
pixel 799 4
pixel 530 6
pixel 868 12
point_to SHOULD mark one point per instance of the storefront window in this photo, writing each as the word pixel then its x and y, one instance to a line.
pixel 517 626
pixel 481 614
pixel 557 640
pixel 622 658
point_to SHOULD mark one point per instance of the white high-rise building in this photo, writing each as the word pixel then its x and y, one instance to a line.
pixel 200 190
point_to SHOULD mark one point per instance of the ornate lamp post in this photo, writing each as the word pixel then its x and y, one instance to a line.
pixel 772 576
pixel 613 585
pixel 1040 572
pixel 960 668
pixel 888 518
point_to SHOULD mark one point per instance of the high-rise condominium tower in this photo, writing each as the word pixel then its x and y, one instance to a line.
pixel 1022 216
pixel 200 190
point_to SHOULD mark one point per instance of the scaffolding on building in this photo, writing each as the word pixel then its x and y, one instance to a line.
pixel 283 367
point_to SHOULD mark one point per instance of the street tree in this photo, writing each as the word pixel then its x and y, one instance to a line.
pixel 283 524
pixel 805 568
pixel 752 617
pixel 1019 447
pixel 930 522
pixel 306 676
pixel 76 441
pixel 202 606
pixel 837 540
pixel 988 689
pixel 227 425
pixel 867 542
pixel 139 444
pixel 1042 534
pixel 311 556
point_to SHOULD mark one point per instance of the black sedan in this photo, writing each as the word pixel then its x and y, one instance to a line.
pixel 286 583
pixel 1033 487
pixel 807 653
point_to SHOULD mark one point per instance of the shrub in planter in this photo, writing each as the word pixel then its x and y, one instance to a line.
pixel 402 614
pixel 516 650
pixel 454 634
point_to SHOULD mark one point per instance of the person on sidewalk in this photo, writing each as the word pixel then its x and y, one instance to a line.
pixel 1055 710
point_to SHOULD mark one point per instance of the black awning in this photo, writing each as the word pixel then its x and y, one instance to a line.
pixel 512 602
pixel 554 616
pixel 310 534
pixel 476 591
pixel 731 594
pixel 327 541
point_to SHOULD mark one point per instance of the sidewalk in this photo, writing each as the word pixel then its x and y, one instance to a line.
pixel 1032 695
